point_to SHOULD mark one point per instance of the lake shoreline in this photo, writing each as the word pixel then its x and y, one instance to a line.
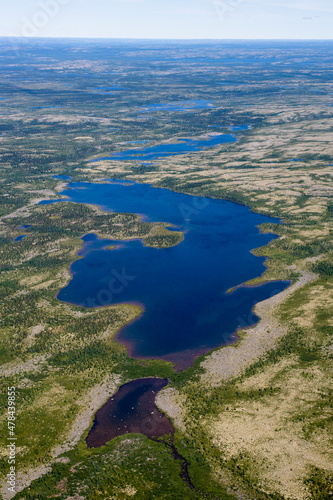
pixel 180 359
pixel 231 361
pixel 131 410
pixel 211 309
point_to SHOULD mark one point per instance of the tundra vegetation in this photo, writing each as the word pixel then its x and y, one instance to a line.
pixel 266 431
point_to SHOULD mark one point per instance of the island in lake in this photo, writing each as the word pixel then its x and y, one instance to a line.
pixel 166 269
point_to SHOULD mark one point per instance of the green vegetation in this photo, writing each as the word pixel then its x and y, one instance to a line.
pixel 246 433
pixel 320 484
pixel 132 466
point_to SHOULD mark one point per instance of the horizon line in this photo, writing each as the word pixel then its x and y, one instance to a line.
pixel 21 37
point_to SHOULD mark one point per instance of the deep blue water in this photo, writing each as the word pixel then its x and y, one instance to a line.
pixel 183 288
pixel 26 226
pixel 20 238
pixel 183 146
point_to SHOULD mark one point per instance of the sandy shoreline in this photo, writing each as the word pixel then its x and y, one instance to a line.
pixel 231 361
pixel 170 401
pixel 226 362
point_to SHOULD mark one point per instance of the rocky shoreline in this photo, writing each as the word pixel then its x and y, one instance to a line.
pixel 231 361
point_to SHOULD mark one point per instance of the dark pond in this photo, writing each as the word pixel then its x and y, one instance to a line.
pixel 182 289
pixel 131 410
pixel 183 146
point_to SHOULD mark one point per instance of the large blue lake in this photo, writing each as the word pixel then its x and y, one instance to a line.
pixel 182 289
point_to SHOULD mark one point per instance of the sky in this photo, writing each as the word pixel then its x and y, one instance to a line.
pixel 168 19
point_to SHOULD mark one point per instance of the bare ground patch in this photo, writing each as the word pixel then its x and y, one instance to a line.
pixel 231 361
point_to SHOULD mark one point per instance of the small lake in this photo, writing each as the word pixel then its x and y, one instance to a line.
pixel 116 87
pixel 131 410
pixel 62 177
pixel 20 238
pixel 182 146
pixel 236 128
pixel 179 106
pixel 47 107
pixel 135 142
pixel 182 289
pixel 102 92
